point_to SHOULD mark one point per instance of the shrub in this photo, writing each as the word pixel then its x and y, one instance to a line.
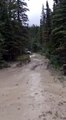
pixel 55 61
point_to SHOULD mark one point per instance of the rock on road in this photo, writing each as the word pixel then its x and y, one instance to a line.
pixel 31 92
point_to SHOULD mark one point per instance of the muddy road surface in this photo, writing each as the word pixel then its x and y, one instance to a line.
pixel 31 92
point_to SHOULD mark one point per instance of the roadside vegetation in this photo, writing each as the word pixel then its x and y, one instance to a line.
pixel 53 33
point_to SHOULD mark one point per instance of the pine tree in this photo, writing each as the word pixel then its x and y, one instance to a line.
pixel 21 9
pixel 13 30
pixel 59 25
pixel 45 25
pixel 58 41
pixel 42 26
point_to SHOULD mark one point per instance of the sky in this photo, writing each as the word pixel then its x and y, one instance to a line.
pixel 35 7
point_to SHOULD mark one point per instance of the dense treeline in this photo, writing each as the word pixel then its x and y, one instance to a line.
pixel 13 28
pixel 16 36
pixel 53 32
pixel 34 38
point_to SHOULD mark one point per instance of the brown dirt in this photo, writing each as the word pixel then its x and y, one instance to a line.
pixel 32 92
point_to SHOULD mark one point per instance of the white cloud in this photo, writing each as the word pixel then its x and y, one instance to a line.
pixel 35 7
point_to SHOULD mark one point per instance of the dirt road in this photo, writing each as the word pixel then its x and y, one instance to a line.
pixel 31 92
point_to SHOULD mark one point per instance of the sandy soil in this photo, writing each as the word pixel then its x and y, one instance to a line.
pixel 31 92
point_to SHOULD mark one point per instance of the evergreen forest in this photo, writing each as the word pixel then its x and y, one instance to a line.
pixel 13 29
pixel 53 32
pixel 16 35
pixel 50 38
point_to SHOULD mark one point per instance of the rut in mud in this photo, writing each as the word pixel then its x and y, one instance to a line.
pixel 31 92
